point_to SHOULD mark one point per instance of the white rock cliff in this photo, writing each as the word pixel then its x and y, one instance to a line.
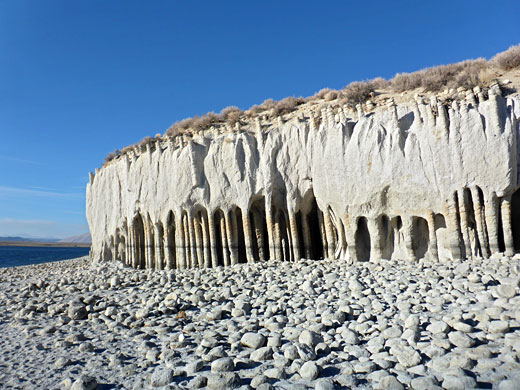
pixel 404 181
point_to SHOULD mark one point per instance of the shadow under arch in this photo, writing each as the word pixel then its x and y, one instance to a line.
pixel 139 246
pixel 310 222
pixel 259 227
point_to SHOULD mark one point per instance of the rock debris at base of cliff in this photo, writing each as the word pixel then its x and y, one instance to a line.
pixel 328 324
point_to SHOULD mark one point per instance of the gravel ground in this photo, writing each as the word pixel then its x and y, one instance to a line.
pixel 310 324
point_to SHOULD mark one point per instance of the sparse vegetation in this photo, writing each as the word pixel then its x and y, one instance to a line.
pixel 509 59
pixel 466 74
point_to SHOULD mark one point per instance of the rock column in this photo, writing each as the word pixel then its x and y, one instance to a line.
pixel 464 222
pixel 294 234
pixel 505 209
pixel 248 237
pixel 213 240
pixel 480 222
pixel 492 221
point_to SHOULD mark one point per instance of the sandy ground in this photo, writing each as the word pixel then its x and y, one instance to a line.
pixel 310 324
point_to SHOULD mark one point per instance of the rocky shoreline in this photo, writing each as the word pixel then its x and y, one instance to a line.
pixel 309 324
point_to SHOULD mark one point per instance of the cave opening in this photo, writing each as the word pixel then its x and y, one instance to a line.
pixel 515 219
pixel 242 257
pixel 259 227
pixel 421 237
pixel 170 233
pixel 362 240
pixel 139 241
pixel 219 223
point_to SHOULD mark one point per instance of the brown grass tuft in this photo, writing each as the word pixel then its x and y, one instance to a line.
pixel 461 74
pixel 509 59
pixel 112 155
pixel 287 105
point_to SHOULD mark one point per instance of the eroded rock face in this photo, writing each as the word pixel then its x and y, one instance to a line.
pixel 408 181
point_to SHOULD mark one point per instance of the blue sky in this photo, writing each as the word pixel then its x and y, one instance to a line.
pixel 79 79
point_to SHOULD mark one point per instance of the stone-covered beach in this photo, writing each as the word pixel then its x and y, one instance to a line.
pixel 309 324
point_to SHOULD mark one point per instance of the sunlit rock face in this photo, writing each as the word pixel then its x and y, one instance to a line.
pixel 407 181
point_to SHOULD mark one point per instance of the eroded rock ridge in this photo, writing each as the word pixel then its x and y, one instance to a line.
pixel 407 181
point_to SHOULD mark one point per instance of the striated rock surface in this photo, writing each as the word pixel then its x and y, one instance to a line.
pixel 420 179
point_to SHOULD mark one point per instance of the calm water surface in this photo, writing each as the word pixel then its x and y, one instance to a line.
pixel 12 256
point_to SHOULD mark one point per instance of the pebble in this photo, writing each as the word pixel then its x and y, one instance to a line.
pixel 253 340
pixel 161 377
pixel 84 382
pixel 461 340
pixel 222 365
pixel 261 354
pixel 324 384
pixel 389 382
pixel 224 380
pixel 309 371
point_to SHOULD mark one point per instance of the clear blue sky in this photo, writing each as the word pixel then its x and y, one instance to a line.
pixel 79 79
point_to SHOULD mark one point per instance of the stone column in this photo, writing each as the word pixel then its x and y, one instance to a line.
pixel 187 242
pixel 505 209
pixel 323 234
pixel 329 232
pixel 131 247
pixel 430 218
pixel 168 262
pixel 350 236
pixel 306 236
pixel 450 211
pixel 376 252
pixel 277 238
pixel 490 211
pixel 270 231
pixel 480 223
pixel 205 240
pixel 159 258
pixel 295 238
pixel 248 237
pixel 288 253
pixel 225 240
pixel 197 226
pixel 408 238
pixel 180 243
pixel 259 234
pixel 193 242
pixel 213 240
pixel 148 245
pixel 232 235
pixel 115 249
pixel 464 222
pixel 342 244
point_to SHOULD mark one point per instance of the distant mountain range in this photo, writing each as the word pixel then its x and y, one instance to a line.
pixel 82 238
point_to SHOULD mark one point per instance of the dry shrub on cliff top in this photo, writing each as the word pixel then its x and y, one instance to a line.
pixel 360 91
pixel 287 105
pixel 112 155
pixel 464 74
pixel 231 114
pixel 509 59
pixel 266 105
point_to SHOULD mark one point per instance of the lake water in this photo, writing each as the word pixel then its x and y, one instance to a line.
pixel 12 256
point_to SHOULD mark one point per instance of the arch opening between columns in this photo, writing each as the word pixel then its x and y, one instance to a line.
pixel 170 233
pixel 242 258
pixel 362 240
pixel 515 219
pixel 139 246
pixel 220 236
pixel 259 226
pixel 421 237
